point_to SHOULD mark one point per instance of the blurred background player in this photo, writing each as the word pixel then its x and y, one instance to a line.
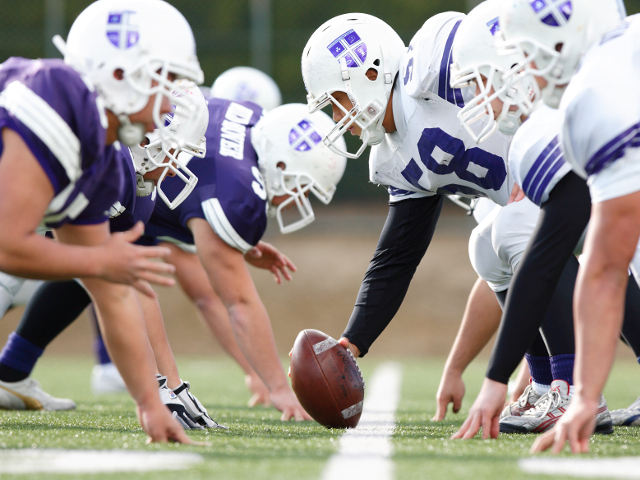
pixel 247 84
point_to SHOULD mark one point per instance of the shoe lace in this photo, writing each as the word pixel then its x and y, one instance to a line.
pixel 549 401
pixel 524 398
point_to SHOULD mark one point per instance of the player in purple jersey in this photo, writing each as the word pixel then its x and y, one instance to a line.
pixel 54 163
pixel 250 165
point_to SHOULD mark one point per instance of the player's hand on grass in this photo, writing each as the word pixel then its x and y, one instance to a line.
pixel 575 426
pixel 264 255
pixel 260 392
pixel 161 427
pixel 285 401
pixel 123 262
pixel 485 412
pixel 347 344
pixel 451 390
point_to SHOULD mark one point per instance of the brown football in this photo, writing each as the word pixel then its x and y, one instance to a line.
pixel 326 379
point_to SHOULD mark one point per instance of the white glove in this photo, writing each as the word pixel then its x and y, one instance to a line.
pixel 195 408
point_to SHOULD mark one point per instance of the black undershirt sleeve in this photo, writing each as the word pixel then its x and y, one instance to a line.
pixel 562 220
pixel 403 242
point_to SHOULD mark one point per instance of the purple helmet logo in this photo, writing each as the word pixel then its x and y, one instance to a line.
pixel 494 26
pixel 303 137
pixel 554 13
pixel 350 47
pixel 121 32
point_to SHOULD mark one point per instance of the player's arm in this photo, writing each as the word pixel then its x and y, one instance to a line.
pixel 480 321
pixel 26 194
pixel 122 324
pixel 403 242
pixel 230 278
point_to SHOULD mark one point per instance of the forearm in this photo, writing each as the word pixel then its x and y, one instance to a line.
pixel 254 335
pixel 599 312
pixel 123 329
pixel 403 242
pixel 158 340
pixel 35 256
pixel 480 321
pixel 562 220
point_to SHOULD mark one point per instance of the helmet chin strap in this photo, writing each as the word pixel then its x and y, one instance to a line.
pixel 130 134
pixel 509 123
pixel 144 188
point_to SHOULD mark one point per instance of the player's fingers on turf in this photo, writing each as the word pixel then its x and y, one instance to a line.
pixel 474 427
pixel 487 423
pixel 178 435
pixel 441 409
pixel 560 438
pixel 286 415
pixel 543 442
pixel 457 403
pixel 573 438
pixel 495 426
pixel 463 429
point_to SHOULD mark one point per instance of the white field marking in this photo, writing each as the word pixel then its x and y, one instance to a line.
pixel 622 467
pixel 365 451
pixel 92 461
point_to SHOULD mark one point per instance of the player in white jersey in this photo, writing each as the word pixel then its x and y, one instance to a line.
pixel 546 169
pixel 399 101
pixel 602 148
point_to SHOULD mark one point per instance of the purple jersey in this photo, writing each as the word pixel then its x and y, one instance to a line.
pixel 55 113
pixel 129 208
pixel 230 193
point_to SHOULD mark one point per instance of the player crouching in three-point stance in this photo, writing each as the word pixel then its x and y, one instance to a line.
pixel 399 101
pixel 251 164
pixel 51 171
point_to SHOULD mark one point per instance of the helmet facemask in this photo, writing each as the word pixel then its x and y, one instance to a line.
pixel 180 139
pixel 489 82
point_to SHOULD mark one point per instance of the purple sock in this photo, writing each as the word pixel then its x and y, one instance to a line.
pixel 562 367
pixel 101 351
pixel 540 369
pixel 20 354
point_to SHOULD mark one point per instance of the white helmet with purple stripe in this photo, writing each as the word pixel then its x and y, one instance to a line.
pixel 188 123
pixel 552 36
pixel 294 162
pixel 130 50
pixel 337 58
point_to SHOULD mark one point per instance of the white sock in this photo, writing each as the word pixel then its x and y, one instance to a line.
pixel 539 388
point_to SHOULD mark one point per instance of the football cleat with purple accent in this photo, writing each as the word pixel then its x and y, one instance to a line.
pixel 549 409
pixel 525 402
pixel 28 395
pixel 627 417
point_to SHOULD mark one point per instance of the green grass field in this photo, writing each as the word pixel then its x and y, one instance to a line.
pixel 259 446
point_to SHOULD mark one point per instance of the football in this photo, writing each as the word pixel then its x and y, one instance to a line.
pixel 327 380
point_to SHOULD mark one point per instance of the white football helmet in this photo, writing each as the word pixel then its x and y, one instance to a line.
pixel 188 124
pixel 553 35
pixel 148 40
pixel 337 58
pixel 246 83
pixel 293 160
pixel 476 61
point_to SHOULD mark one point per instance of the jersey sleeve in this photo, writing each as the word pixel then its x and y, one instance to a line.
pixel 55 112
pixel 425 68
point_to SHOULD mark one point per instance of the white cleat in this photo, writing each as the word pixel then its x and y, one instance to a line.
pixel 525 402
pixel 106 379
pixel 28 395
pixel 628 417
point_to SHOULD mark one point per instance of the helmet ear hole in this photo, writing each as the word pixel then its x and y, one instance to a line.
pixel 376 62
pixel 372 74
pixel 281 165
pixel 558 47
pixel 118 74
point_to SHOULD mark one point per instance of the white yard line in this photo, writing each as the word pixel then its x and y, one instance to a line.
pixel 92 461
pixel 365 451
pixel 623 467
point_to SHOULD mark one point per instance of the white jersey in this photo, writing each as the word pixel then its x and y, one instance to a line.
pixel 535 156
pixel 601 130
pixel 431 153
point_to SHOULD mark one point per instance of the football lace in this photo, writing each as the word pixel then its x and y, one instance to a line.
pixel 364 385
